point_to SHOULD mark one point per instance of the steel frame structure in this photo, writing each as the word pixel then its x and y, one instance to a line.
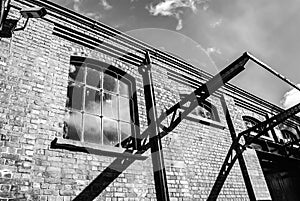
pixel 152 135
pixel 238 146
pixel 233 154
pixel 149 137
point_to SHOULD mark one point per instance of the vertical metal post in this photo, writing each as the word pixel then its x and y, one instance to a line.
pixel 4 10
pixel 159 172
pixel 272 130
pixel 238 150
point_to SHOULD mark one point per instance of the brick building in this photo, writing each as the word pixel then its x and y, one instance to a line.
pixel 71 92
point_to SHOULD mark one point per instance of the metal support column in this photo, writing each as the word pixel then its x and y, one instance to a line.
pixel 272 130
pixel 232 155
pixel 159 172
pixel 238 151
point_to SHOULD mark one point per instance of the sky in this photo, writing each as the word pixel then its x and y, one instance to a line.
pixel 212 33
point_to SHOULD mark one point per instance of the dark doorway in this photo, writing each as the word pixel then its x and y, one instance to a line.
pixel 282 175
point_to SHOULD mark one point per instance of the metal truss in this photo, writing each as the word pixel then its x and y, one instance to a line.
pixel 289 147
pixel 180 110
pixel 152 140
pixel 233 155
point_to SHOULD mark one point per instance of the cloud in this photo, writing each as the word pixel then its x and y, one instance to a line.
pixel 76 5
pixel 216 23
pixel 213 50
pixel 105 4
pixel 174 8
pixel 95 16
pixel 62 2
pixel 179 25
pixel 291 98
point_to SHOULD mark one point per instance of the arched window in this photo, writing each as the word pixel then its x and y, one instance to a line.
pixel 288 135
pixel 101 105
pixel 250 122
pixel 205 110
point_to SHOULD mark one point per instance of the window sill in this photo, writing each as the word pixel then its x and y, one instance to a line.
pixel 206 121
pixel 91 148
pixel 263 137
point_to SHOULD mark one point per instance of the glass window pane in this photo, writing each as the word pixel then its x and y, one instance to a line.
pixel 110 132
pixel 125 109
pixel 125 130
pixel 73 126
pixel 110 82
pixel 208 115
pixel 93 78
pixel 110 106
pixel 76 72
pixel 201 112
pixel 124 89
pixel 92 101
pixel 74 96
pixel 92 129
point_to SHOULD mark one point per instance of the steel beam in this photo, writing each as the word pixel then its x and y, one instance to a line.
pixel 232 155
pixel 238 150
pixel 159 171
pixel 178 112
pixel 4 9
pixel 272 71
pixel 119 165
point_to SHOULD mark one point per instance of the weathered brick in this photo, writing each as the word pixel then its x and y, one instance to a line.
pixel 34 77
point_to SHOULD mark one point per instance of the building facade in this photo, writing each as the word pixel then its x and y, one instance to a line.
pixel 71 92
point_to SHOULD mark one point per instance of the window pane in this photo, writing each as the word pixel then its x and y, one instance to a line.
pixel 110 132
pixel 92 129
pixel 208 115
pixel 125 109
pixel 124 89
pixel 110 82
pixel 249 124
pixel 201 112
pixel 74 96
pixel 125 130
pixel 76 72
pixel 73 126
pixel 92 101
pixel 110 106
pixel 93 78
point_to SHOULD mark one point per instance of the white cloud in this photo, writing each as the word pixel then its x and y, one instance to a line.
pixel 105 4
pixel 62 2
pixel 174 8
pixel 216 23
pixel 291 98
pixel 95 16
pixel 213 50
pixel 76 5
pixel 179 24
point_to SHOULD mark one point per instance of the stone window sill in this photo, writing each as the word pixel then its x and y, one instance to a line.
pixel 91 148
pixel 206 121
